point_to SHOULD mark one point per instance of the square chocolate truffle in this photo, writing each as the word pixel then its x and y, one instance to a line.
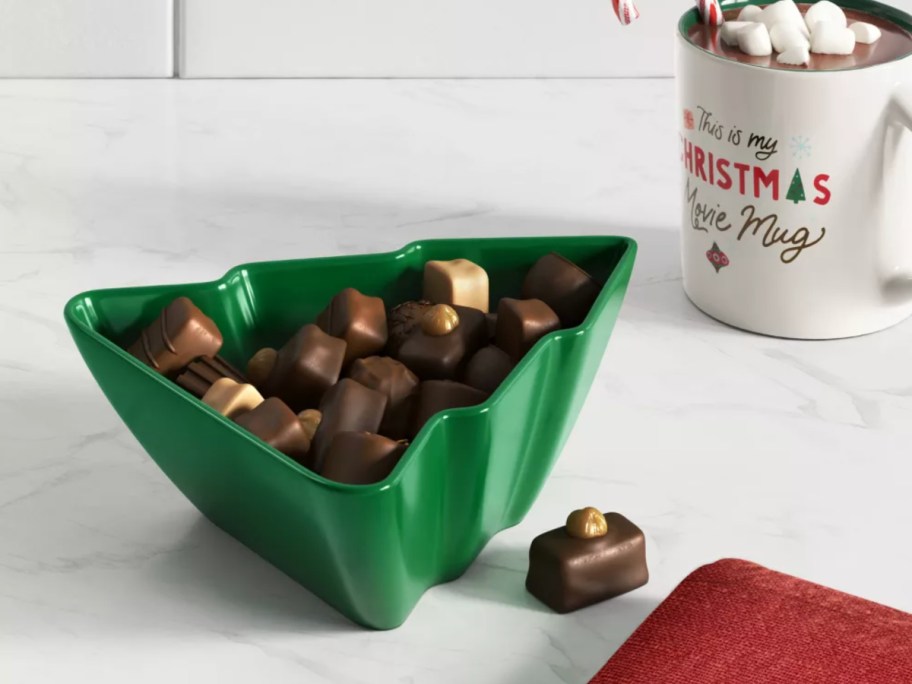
pixel 348 406
pixel 521 323
pixel 231 398
pixel 180 334
pixel 396 382
pixel 488 368
pixel 361 458
pixel 442 357
pixel 568 572
pixel 306 367
pixel 435 396
pixel 563 286
pixel 459 282
pixel 359 320
pixel 278 426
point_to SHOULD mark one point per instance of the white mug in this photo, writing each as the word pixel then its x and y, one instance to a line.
pixel 797 191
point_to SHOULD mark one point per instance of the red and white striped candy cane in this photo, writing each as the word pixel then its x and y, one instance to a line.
pixel 626 11
pixel 711 12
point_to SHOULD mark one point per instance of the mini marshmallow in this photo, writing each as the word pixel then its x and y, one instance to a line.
pixel 796 56
pixel 824 10
pixel 750 13
pixel 729 32
pixel 829 38
pixel 864 32
pixel 785 35
pixel 784 11
pixel 754 40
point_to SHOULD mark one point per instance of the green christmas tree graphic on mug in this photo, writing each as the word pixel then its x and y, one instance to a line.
pixel 796 189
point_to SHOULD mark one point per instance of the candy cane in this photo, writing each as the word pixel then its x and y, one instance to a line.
pixel 711 12
pixel 626 11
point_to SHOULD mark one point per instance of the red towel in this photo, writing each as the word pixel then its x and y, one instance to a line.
pixel 734 622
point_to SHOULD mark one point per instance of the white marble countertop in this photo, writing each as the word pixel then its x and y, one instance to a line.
pixel 718 443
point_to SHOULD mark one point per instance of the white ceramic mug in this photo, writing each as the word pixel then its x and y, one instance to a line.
pixel 824 256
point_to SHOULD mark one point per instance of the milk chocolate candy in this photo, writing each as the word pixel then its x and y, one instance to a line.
pixel 201 374
pixel 403 320
pixel 361 458
pixel 563 286
pixel 392 379
pixel 307 366
pixel 278 426
pixel 521 323
pixel 435 396
pixel 567 572
pixel 231 398
pixel 488 368
pixel 457 282
pixel 442 357
pixel 180 334
pixel 348 406
pixel 359 320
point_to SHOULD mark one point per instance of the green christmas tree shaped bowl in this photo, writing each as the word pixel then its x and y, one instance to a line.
pixel 369 551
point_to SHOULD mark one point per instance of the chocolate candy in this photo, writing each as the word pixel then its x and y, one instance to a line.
pixel 231 398
pixel 488 368
pixel 310 421
pixel 457 282
pixel 392 379
pixel 607 558
pixel 180 334
pixel 521 323
pixel 307 366
pixel 491 320
pixel 435 396
pixel 201 374
pixel 360 458
pixel 435 357
pixel 403 320
pixel 260 366
pixel 278 426
pixel 563 286
pixel 359 320
pixel 348 406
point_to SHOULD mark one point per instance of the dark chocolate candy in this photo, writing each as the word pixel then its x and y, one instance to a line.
pixel 358 319
pixel 567 573
pixel 491 320
pixel 563 286
pixel 521 323
pixel 203 373
pixel 403 320
pixel 307 366
pixel 488 368
pixel 360 458
pixel 435 396
pixel 278 426
pixel 348 406
pixel 180 334
pixel 398 383
pixel 442 357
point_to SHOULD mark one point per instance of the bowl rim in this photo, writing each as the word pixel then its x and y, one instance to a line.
pixel 626 257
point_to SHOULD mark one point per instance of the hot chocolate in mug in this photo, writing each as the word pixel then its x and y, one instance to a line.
pixel 797 192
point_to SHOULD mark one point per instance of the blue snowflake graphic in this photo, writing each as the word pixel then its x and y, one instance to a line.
pixel 801 146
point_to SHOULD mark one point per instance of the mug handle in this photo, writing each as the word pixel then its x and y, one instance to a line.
pixel 898 286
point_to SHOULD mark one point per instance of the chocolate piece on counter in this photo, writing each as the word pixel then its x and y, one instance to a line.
pixel 457 282
pixel 348 406
pixel 435 396
pixel 180 334
pixel 442 357
pixel 231 398
pixel 521 323
pixel 488 368
pixel 563 286
pixel 278 426
pixel 567 572
pixel 361 458
pixel 203 373
pixel 403 320
pixel 260 366
pixel 398 383
pixel 359 320
pixel 307 366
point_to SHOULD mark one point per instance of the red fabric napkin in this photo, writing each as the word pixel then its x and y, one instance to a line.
pixel 734 622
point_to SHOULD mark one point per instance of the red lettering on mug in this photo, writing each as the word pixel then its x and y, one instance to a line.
pixel 819 186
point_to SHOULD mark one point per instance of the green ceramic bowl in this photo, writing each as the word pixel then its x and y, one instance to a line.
pixel 369 551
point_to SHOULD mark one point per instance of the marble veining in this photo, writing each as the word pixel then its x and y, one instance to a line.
pixel 718 443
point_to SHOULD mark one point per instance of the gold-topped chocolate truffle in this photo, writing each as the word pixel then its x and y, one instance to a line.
pixel 440 319
pixel 587 523
pixel 310 421
pixel 260 366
